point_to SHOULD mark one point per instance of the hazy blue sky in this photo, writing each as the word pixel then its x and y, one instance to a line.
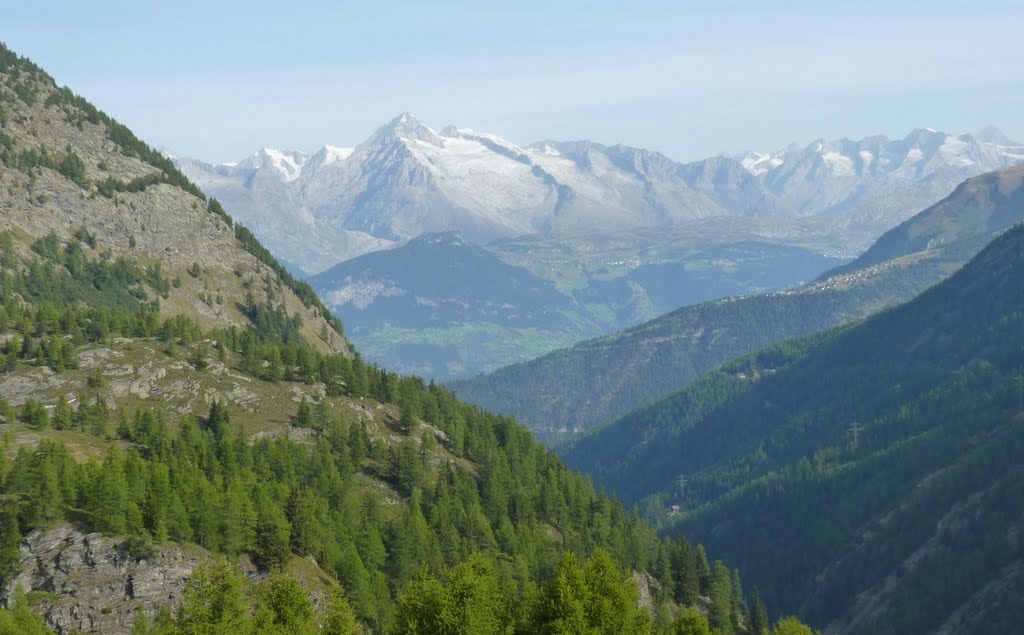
pixel 218 80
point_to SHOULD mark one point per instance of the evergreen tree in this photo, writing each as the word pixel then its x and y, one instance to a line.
pixel 273 535
pixel 110 497
pixel 703 570
pixel 306 530
pixel 339 618
pixel 612 605
pixel 595 598
pixel 467 600
pixel 758 616
pixel 34 414
pixel 217 420
pixel 561 607
pixel 684 568
pixel 10 543
pixel 406 466
pixel 737 605
pixel 304 418
pixel 140 626
pixel 721 599
pixel 238 521
pixel 413 544
pixel 214 601
pixel 63 415
pixel 284 608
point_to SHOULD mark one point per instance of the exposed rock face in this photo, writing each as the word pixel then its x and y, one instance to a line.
pixel 160 224
pixel 98 584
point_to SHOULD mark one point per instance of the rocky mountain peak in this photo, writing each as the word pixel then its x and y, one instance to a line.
pixel 406 127
pixel 993 135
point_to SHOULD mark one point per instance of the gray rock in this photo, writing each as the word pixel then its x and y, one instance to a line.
pixel 97 585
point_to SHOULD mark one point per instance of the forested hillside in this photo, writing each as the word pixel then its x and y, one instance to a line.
pixel 978 207
pixel 169 387
pixel 868 477
pixel 572 390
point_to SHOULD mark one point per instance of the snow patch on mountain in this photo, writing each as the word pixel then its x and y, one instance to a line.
pixel 407 179
pixel 289 164
pixel 334 153
pixel 758 163
pixel 839 163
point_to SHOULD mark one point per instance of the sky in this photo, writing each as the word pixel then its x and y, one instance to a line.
pixel 219 80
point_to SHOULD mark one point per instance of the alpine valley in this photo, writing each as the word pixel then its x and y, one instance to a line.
pixel 443 383
pixel 573 390
pixel 870 475
pixel 190 445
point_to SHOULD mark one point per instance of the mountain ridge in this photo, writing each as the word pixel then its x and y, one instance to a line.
pixel 878 451
pixel 662 355
pixel 177 412
pixel 488 187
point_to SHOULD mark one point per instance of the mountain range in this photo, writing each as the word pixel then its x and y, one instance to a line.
pixel 569 391
pixel 406 179
pixel 188 444
pixel 625 234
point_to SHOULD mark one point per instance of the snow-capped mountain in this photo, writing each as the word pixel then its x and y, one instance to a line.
pixel 408 179
pixel 876 178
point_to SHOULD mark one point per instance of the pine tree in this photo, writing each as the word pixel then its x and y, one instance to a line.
pixel 218 419
pixel 63 415
pixel 737 606
pixel 10 543
pixel 306 530
pixel 562 604
pixel 758 616
pixel 721 599
pixel 413 544
pixel 34 414
pixel 273 535
pixel 406 466
pixel 47 494
pixel 140 626
pixel 612 605
pixel 284 608
pixel 465 600
pixel 110 497
pixel 7 411
pixel 156 508
pixel 703 570
pixel 339 618
pixel 274 371
pixel 684 567
pixel 304 418
pixel 215 601
pixel 238 520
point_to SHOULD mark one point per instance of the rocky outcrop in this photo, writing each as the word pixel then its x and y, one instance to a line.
pixel 96 583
